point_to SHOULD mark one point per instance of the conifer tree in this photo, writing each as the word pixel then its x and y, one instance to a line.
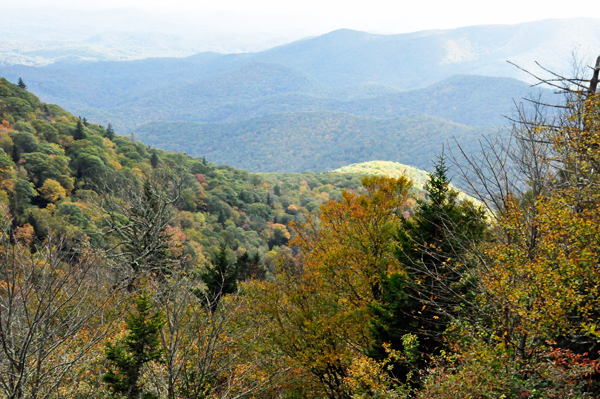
pixel 110 132
pixel 22 84
pixel 140 346
pixel 249 267
pixel 431 245
pixel 154 160
pixel 79 133
pixel 85 121
pixel 220 279
pixel 222 218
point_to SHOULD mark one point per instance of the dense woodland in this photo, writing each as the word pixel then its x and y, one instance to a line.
pixel 315 141
pixel 130 272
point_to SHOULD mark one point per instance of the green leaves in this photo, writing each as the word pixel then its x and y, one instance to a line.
pixel 140 346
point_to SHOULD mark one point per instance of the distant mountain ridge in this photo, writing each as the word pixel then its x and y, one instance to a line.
pixel 125 93
pixel 470 100
pixel 41 35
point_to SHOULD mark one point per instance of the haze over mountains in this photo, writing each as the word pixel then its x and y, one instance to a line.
pixel 44 35
pixel 459 76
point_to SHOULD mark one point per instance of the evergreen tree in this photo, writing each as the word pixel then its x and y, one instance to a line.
pixel 110 132
pixel 154 160
pixel 79 133
pixel 140 346
pixel 431 246
pixel 220 279
pixel 22 84
pixel 85 121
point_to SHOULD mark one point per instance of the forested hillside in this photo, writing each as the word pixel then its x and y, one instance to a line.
pixel 53 164
pixel 348 87
pixel 259 90
pixel 314 141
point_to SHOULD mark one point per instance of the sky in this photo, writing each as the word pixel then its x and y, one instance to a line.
pixel 320 16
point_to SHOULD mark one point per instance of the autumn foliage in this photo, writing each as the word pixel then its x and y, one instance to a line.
pixel 126 273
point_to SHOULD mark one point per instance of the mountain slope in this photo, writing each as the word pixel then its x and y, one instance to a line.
pixel 471 100
pixel 412 60
pixel 54 172
pixel 312 141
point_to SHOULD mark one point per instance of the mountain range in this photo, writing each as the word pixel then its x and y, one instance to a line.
pixel 449 80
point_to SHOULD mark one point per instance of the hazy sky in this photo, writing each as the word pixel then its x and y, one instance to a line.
pixel 371 15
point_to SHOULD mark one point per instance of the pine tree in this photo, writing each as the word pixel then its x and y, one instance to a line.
pixel 79 133
pixel 154 160
pixel 220 279
pixel 22 84
pixel 140 346
pixel 85 121
pixel 110 132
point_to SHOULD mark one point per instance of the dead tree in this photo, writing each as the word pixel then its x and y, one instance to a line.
pixel 136 217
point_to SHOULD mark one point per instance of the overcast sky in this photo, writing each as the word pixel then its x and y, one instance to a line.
pixel 319 16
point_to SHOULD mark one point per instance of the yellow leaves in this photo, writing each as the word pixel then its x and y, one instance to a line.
pixel 282 228
pixel 541 273
pixel 25 234
pixel 52 190
pixel 353 247
pixel 316 309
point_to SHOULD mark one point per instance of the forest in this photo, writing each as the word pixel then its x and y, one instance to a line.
pixel 132 272
pixel 314 141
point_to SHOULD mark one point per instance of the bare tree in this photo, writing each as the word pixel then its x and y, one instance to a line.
pixel 136 214
pixel 551 151
pixel 209 353
pixel 53 311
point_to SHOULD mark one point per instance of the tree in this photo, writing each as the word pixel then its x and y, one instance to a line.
pixel 536 328
pixel 220 278
pixel 250 267
pixel 154 161
pixel 54 310
pixel 136 216
pixel 22 84
pixel 110 132
pixel 79 133
pixel 222 218
pixel 317 308
pixel 52 191
pixel 209 354
pixel 435 283
pixel 140 346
